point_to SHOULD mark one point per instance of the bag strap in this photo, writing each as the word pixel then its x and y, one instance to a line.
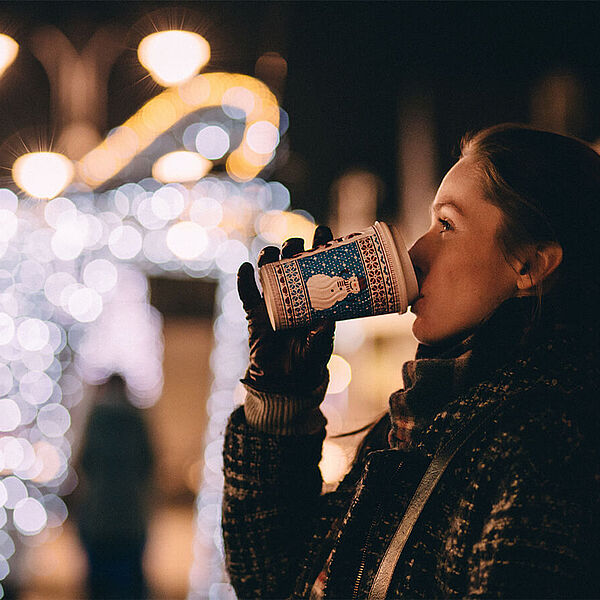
pixel 434 472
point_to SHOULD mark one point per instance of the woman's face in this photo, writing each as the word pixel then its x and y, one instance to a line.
pixel 463 275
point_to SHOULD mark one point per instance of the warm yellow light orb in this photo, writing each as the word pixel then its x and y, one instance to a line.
pixel 180 166
pixel 43 174
pixel 276 226
pixel 175 56
pixel 340 374
pixel 8 52
pixel 334 462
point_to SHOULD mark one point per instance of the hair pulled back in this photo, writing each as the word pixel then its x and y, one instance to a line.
pixel 548 187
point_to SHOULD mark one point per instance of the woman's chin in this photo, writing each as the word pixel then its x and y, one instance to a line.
pixel 420 332
pixel 425 333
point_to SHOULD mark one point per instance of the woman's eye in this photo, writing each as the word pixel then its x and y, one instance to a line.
pixel 446 225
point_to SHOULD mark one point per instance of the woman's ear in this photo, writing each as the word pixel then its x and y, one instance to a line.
pixel 540 263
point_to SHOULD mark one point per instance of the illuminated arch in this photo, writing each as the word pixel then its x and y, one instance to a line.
pixel 163 111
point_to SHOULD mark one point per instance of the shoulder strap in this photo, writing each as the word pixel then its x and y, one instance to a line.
pixel 440 461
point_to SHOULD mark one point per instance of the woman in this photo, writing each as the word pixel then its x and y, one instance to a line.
pixel 507 328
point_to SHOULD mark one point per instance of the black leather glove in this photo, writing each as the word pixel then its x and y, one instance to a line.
pixel 289 360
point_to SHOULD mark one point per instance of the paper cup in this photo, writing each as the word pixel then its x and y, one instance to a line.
pixel 359 275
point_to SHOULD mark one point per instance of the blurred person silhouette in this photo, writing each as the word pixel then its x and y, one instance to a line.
pixel 115 468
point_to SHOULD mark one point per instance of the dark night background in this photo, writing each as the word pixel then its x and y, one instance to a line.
pixel 353 68
pixel 349 66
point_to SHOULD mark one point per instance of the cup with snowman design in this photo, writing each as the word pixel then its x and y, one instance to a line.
pixel 361 274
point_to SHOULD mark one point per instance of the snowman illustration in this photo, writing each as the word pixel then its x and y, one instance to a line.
pixel 325 291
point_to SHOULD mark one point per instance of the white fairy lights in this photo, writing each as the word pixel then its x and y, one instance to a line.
pixel 74 296
pixel 79 309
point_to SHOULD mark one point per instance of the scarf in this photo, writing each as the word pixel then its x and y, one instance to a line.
pixel 439 374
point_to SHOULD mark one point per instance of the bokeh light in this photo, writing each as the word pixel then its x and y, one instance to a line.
pixel 125 141
pixel 7 328
pixel 51 462
pixel 186 240
pixel 262 137
pixel 212 142
pixel 8 52
pixel 230 255
pixel 340 374
pixel 33 334
pixel 173 57
pixel 85 304
pixel 59 210
pixel 181 166
pixel 8 225
pixel 36 387
pixel 125 242
pixel 238 102
pixel 53 420
pixel 240 96
pixel 7 545
pixel 276 226
pixel 6 379
pixel 15 488
pixel 100 275
pixel 168 202
pixel 74 298
pixel 10 415
pixel 334 462
pixel 206 211
pixel 42 174
pixel 30 516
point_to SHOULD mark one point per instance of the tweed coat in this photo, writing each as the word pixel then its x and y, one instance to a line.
pixel 513 516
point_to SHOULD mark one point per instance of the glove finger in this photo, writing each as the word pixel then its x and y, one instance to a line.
pixel 247 288
pixel 319 343
pixel 291 247
pixel 268 254
pixel 322 236
pixel 326 327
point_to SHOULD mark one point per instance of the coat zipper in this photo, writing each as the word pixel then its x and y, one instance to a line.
pixel 363 561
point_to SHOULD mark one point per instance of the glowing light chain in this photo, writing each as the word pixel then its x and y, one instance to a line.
pixel 62 267
pixel 34 409
pixel 73 268
pixel 67 271
pixel 240 95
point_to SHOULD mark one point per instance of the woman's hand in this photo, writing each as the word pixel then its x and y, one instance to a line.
pixel 290 360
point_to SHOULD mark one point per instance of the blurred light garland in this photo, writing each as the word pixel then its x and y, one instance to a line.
pixel 74 299
pixel 74 307
pixel 240 96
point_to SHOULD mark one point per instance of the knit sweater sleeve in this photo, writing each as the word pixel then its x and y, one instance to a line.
pixel 270 506
pixel 541 520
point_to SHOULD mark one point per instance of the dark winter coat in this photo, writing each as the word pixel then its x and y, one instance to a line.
pixel 513 516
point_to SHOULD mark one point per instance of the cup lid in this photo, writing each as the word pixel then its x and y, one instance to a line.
pixel 406 269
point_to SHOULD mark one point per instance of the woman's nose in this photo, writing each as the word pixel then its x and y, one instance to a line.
pixel 418 255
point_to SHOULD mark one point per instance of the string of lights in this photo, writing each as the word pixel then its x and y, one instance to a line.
pixel 74 302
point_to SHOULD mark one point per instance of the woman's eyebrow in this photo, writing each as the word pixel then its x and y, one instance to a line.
pixel 437 206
